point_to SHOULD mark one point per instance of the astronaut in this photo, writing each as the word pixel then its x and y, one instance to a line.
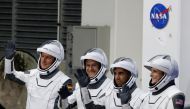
pixel 163 92
pixel 126 94
pixel 123 93
pixel 94 81
pixel 46 85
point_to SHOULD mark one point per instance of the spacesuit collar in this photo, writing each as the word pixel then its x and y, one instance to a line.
pixel 49 75
pixel 165 87
pixel 133 87
pixel 97 84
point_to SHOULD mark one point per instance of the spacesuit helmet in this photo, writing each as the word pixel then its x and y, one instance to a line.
pixel 53 48
pixel 99 56
pixel 166 64
pixel 127 64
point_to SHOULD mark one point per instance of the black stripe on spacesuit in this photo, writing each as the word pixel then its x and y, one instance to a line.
pixel 116 104
pixel 153 102
pixel 12 65
pixel 91 105
pixel 97 94
pixel 56 103
pixel 41 85
pixel 102 95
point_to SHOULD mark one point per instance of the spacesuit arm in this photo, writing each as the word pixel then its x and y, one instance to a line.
pixel 12 74
pixel 89 104
pixel 13 78
pixel 177 102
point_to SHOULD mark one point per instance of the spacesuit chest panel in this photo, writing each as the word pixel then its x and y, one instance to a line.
pixel 160 101
pixel 42 92
pixel 137 98
pixel 100 93
pixel 156 102
pixel 113 102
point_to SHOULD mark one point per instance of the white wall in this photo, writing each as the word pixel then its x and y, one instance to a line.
pixel 125 19
pixel 185 51
pixel 98 12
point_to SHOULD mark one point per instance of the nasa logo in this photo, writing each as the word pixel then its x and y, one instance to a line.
pixel 159 15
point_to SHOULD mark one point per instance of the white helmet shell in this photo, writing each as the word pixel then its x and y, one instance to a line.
pixel 129 65
pixel 166 64
pixel 98 55
pixel 55 49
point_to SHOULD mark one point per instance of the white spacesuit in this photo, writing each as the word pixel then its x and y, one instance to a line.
pixel 97 86
pixel 164 94
pixel 137 95
pixel 42 84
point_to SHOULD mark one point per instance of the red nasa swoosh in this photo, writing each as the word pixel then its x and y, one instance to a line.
pixel 165 11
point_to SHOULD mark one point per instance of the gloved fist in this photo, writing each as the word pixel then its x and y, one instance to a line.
pixel 10 50
pixel 82 77
pixel 125 94
pixel 66 90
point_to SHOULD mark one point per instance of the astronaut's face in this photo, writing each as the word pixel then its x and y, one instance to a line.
pixel 156 75
pixel 92 67
pixel 121 76
pixel 46 60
